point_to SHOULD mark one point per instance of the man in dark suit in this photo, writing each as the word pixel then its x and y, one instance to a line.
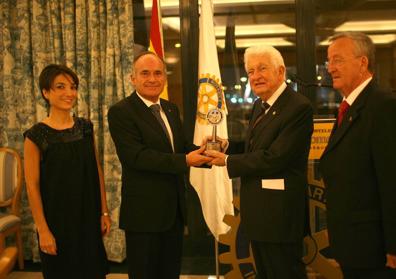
pixel 149 140
pixel 273 168
pixel 358 165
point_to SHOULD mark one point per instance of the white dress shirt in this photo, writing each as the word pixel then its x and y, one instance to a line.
pixel 148 103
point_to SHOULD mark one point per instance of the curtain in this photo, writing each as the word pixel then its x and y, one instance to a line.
pixel 95 39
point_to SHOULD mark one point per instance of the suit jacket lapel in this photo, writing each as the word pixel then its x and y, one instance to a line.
pixel 272 114
pixel 349 118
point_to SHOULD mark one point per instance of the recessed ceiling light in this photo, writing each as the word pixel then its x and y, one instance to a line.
pixel 377 39
pixel 175 3
pixel 173 22
pixel 240 30
pixel 374 25
pixel 244 43
pixel 256 29
pixel 171 59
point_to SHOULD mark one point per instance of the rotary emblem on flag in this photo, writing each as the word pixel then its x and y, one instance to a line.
pixel 210 96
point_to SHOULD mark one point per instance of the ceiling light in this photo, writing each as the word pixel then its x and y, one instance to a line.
pixel 175 3
pixel 148 4
pixel 240 30
pixel 171 59
pixel 377 39
pixel 256 29
pixel 244 43
pixel 172 22
pixel 383 39
pixel 377 25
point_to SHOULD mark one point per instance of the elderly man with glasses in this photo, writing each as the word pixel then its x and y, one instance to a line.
pixel 358 165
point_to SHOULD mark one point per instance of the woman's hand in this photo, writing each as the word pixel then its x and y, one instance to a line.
pixel 47 242
pixel 105 224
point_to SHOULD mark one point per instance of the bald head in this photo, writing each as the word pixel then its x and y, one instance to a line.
pixel 143 54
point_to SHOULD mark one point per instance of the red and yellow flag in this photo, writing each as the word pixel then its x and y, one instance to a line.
pixel 156 39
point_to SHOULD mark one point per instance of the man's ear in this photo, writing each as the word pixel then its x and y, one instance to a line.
pixel 133 80
pixel 282 70
pixel 365 62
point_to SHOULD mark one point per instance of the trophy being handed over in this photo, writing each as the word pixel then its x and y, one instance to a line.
pixel 214 117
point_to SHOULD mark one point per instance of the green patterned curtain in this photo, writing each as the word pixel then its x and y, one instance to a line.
pixel 93 37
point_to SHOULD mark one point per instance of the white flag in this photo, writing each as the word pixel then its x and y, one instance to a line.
pixel 213 185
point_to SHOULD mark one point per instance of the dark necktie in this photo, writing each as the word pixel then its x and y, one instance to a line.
pixel 155 109
pixel 344 106
pixel 264 106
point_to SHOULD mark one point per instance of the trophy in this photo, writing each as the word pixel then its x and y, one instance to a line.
pixel 214 117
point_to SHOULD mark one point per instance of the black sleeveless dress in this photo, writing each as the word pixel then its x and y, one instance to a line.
pixel 70 192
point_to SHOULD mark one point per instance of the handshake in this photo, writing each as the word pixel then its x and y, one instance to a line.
pixel 205 156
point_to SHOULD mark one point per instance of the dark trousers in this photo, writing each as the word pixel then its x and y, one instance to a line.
pixel 155 255
pixel 278 260
pixel 369 273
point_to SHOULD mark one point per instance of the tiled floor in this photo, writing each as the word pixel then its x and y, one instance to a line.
pixel 198 258
pixel 37 275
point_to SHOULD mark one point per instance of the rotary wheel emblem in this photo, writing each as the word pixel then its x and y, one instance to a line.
pixel 240 255
pixel 319 239
pixel 210 96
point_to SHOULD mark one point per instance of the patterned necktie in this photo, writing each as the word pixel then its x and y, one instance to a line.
pixel 344 106
pixel 264 106
pixel 155 109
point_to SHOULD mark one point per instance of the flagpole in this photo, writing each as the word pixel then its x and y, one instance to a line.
pixel 213 186
pixel 217 258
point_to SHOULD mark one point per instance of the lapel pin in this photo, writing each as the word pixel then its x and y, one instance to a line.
pixel 274 112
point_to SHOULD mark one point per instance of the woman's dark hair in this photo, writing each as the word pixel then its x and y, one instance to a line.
pixel 50 72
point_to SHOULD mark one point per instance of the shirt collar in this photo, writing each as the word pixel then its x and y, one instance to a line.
pixel 356 92
pixel 148 103
pixel 271 100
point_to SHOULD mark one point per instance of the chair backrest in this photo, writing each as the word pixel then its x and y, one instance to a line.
pixel 10 179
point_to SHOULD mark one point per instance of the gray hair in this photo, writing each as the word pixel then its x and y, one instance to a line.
pixel 364 46
pixel 275 56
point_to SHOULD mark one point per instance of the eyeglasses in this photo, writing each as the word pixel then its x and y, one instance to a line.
pixel 338 61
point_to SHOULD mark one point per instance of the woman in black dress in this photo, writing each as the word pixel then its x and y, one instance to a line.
pixel 65 184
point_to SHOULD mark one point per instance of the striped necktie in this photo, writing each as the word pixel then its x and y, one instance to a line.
pixel 264 106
